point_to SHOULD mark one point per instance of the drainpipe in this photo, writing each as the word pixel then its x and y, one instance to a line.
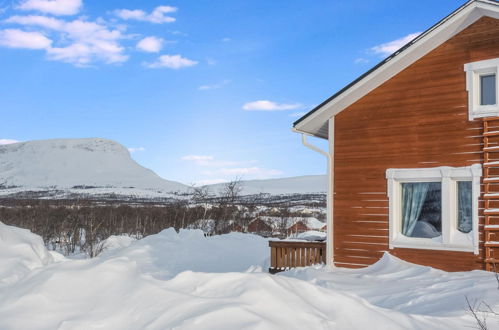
pixel 330 173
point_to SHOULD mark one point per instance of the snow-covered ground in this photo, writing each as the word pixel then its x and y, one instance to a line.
pixel 188 281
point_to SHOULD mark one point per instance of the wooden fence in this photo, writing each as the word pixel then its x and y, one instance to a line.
pixel 290 254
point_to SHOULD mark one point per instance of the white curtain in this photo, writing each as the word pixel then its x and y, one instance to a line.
pixel 464 206
pixel 413 198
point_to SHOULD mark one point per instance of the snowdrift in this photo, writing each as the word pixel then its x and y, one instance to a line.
pixel 188 281
pixel 20 252
pixel 169 253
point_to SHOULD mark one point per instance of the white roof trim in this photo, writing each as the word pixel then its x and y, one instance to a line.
pixel 464 17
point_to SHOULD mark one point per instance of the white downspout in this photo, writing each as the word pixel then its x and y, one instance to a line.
pixel 330 173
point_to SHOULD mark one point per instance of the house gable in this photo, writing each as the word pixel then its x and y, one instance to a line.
pixel 416 119
pixel 315 122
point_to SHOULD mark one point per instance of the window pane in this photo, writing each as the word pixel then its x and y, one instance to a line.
pixel 488 89
pixel 422 209
pixel 464 206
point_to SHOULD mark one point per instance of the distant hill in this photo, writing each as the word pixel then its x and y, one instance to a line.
pixel 97 166
pixel 293 185
pixel 67 163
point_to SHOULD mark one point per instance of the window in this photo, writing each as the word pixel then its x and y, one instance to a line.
pixel 422 209
pixel 434 208
pixel 488 89
pixel 464 206
pixel 482 87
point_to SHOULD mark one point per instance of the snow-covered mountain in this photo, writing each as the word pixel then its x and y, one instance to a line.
pixel 98 166
pixel 294 185
pixel 67 163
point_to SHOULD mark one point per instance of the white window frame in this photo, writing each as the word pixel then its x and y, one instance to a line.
pixel 448 176
pixel 474 71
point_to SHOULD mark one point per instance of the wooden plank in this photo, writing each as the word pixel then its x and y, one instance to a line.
pixel 418 118
pixel 273 257
pixel 310 256
pixel 279 256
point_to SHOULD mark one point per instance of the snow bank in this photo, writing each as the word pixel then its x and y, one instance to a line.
pixel 409 288
pixel 168 253
pixel 116 294
pixel 20 252
pixel 115 242
pixel 188 281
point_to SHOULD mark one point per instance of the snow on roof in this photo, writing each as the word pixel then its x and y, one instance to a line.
pixel 314 223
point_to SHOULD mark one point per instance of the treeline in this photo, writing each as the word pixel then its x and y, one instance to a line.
pixel 73 226
pixel 81 227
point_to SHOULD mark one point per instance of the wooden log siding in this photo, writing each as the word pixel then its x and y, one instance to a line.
pixel 291 254
pixel 418 118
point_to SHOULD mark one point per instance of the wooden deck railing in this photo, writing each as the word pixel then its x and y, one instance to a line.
pixel 290 254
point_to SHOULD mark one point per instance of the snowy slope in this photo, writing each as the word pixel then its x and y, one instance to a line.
pixel 65 163
pixel 154 284
pixel 98 166
pixel 294 185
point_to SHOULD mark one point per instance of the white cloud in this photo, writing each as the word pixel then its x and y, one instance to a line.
pixel 54 7
pixel 136 149
pixel 361 60
pixel 37 20
pixel 298 114
pixel 178 33
pixel 196 157
pixel 264 105
pixel 171 61
pixel 226 39
pixel 255 172
pixel 213 86
pixel 14 38
pixel 210 161
pixel 229 169
pixel 392 46
pixel 8 141
pixel 80 42
pixel 211 61
pixel 157 16
pixel 150 44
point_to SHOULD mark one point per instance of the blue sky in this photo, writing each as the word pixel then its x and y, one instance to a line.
pixel 200 91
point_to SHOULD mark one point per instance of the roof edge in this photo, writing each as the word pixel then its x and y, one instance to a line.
pixel 389 58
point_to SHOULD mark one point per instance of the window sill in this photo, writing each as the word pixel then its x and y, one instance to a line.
pixel 489 112
pixel 428 244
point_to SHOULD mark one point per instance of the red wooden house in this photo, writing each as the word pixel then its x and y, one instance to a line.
pixel 413 157
pixel 296 228
pixel 260 227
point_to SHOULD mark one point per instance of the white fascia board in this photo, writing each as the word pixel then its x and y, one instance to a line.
pixel 420 48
